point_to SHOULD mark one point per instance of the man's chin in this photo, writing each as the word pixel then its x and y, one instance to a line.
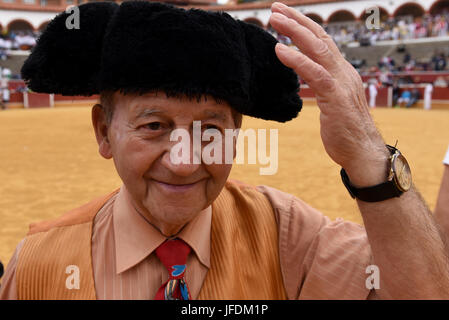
pixel 175 211
pixel 171 220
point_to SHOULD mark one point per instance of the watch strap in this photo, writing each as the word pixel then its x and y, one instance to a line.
pixel 380 192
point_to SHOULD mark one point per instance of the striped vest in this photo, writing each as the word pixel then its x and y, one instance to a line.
pixel 244 251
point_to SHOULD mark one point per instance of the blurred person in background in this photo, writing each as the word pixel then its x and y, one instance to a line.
pixel 439 62
pixel 372 88
pixel 414 97
pixel 6 73
pixel 4 92
pixel 404 99
pixel 440 27
pixel 407 57
pixel 440 82
pixel 428 89
pixel 386 78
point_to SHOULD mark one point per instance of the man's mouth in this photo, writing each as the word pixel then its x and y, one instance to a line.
pixel 172 187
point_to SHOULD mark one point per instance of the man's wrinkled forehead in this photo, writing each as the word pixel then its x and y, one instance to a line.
pixel 148 110
pixel 157 103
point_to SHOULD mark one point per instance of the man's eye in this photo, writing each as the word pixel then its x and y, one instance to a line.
pixel 154 125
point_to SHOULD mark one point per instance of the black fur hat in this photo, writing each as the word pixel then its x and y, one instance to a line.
pixel 140 46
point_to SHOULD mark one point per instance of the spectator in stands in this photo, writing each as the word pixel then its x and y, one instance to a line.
pixel 357 63
pixel 404 99
pixel 3 54
pixel 6 73
pixel 439 62
pixel 5 45
pixel 386 62
pixel 405 80
pixel 395 33
pixel 25 41
pixel 440 82
pixel 385 78
pixel 440 28
pixel 410 65
pixel 407 57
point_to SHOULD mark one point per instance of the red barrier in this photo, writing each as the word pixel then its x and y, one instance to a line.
pixel 415 76
pixel 59 97
pixel 381 98
pixel 439 93
pixel 37 100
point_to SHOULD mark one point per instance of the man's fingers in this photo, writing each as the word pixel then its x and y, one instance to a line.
pixel 305 21
pixel 305 40
pixel 316 76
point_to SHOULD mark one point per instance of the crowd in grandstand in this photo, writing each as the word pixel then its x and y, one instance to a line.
pixel 345 32
pixel 387 70
pixel 399 28
pixel 22 40
pixel 408 63
pixel 18 40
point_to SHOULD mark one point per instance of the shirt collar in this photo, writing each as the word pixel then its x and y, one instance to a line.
pixel 135 238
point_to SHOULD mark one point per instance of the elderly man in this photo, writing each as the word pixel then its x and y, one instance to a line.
pixel 182 230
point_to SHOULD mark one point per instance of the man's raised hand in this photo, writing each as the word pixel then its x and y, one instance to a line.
pixel 347 130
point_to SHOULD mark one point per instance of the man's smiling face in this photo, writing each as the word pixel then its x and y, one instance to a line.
pixel 138 139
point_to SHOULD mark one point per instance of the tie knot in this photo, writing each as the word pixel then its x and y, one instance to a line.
pixel 173 254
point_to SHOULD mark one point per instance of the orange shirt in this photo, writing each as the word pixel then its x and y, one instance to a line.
pixel 320 259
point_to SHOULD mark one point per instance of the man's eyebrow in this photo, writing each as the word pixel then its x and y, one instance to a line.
pixel 147 112
pixel 215 115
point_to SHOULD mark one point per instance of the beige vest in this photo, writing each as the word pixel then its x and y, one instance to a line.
pixel 244 251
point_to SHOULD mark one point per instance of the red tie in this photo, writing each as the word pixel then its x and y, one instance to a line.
pixel 173 254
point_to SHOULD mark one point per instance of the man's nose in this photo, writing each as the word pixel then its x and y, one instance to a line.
pixel 184 168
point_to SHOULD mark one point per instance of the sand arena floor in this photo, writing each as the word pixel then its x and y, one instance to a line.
pixel 49 163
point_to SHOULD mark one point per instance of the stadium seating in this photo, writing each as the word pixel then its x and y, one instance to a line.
pixel 418 51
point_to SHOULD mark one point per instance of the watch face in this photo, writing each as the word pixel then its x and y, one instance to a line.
pixel 403 175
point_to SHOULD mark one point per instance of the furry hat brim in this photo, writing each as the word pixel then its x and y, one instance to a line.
pixel 140 46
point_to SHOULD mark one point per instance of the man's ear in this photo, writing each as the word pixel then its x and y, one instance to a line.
pixel 101 126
